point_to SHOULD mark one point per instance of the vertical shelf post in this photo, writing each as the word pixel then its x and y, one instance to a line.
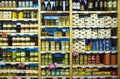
pixel 70 39
pixel 39 40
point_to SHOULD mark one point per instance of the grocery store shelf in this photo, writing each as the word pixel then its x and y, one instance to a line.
pixel 98 12
pixel 55 77
pixel 92 26
pixel 18 9
pixel 55 12
pixel 53 52
pixel 100 76
pixel 100 52
pixel 13 47
pixel 57 65
pixel 113 37
pixel 19 33
pixel 54 26
pixel 98 66
pixel 49 37
pixel 25 19
pixel 19 77
pixel 18 62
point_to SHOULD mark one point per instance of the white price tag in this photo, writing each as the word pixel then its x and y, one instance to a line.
pixel 43 77
pixel 107 51
pixel 98 12
pixel 74 12
pixel 13 63
pixel 13 34
pixel 114 52
pixel 89 77
pixel 101 52
pixel 53 52
pixel 64 66
pixel 113 11
pixel 4 47
pixel 75 77
pixel 59 11
pixel 22 47
pixel 63 52
pixel 102 77
pixel 114 76
pixel 31 34
pixel 26 19
pixel 26 63
pixel 99 66
pixel 42 51
pixel 28 77
pixel 33 19
pixel 13 47
pixel 31 47
pixel 74 66
pixel 42 37
pixel 107 66
pixel 19 9
pixel 14 20
pixel 55 77
pixel 64 77
pixel 86 12
pixel 115 66
pixel 43 11
pixel 42 66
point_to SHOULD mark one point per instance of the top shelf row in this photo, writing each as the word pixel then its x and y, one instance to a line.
pixel 59 5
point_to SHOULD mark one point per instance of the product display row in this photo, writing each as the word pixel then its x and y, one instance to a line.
pixel 19 40
pixel 94 33
pixel 58 58
pixel 19 27
pixel 55 5
pixel 56 72
pixel 55 20
pixel 16 70
pixel 93 71
pixel 94 20
pixel 83 45
pixel 94 5
pixel 55 45
pixel 95 59
pixel 56 32
pixel 19 55
pixel 18 4
pixel 18 15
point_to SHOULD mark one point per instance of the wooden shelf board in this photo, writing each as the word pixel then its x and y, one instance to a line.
pixel 55 12
pixel 98 12
pixel 18 8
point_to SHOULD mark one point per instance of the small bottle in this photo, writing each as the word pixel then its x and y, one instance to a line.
pixel 109 3
pixel 48 6
pixel 53 7
pixel 114 5
pixel 43 5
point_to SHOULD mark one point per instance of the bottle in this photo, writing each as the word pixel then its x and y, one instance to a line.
pixel 101 5
pixel 90 5
pixel 64 5
pixel 67 5
pixel 105 5
pixel 56 5
pixel 114 5
pixel 74 5
pixel 43 5
pixel 78 5
pixel 61 5
pixel 96 4
pixel 109 4
pixel 82 5
pixel 53 7
pixel 86 4
pixel 48 8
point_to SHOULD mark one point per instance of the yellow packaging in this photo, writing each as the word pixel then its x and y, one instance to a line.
pixel 67 34
pixel 47 46
pixel 63 46
pixel 59 33
pixel 32 14
pixel 56 34
pixel 43 46
pixel 20 15
pixel 67 21
pixel 52 43
pixel 1 14
pixel 60 21
pixel 66 46
pixel 57 46
pixel 63 20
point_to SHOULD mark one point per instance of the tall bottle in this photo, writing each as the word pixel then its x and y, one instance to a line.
pixel 56 5
pixel 61 5
pixel 67 5
pixel 96 5
pixel 82 6
pixel 109 4
pixel 48 8
pixel 114 5
pixel 74 5
pixel 43 5
pixel 53 7
pixel 105 5
pixel 86 4
pixel 58 8
pixel 101 5
pixel 64 5
pixel 90 5
pixel 78 5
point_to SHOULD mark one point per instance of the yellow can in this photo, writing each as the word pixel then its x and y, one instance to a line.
pixel 14 15
pixel 20 15
pixel 32 14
